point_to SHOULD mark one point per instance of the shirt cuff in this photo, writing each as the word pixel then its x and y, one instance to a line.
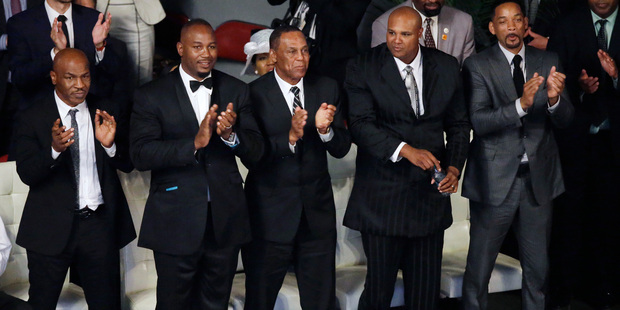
pixel 111 151
pixel 292 147
pixel 326 137
pixel 395 157
pixel 55 154
pixel 614 80
pixel 235 140
pixel 99 56
pixel 519 108
pixel 3 40
pixel 555 106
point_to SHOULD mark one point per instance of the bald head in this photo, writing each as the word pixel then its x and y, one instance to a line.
pixel 403 33
pixel 71 76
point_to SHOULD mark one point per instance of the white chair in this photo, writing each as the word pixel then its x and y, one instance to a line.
pixel 14 281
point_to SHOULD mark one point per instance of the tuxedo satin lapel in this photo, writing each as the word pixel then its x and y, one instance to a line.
pixel 216 94
pixel 500 69
pixel 184 103
pixel 430 80
pixel 389 72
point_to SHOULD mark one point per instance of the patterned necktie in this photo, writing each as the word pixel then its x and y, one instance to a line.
pixel 428 35
pixel 412 89
pixel 75 149
pixel 602 35
pixel 517 75
pixel 65 30
pixel 16 7
pixel 296 100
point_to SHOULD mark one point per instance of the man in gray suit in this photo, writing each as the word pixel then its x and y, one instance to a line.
pixel 513 170
pixel 445 28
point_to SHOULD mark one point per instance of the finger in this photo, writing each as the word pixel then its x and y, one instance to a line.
pixel 584 74
pixel 324 105
pixel 213 108
pixel 56 124
pixel 229 107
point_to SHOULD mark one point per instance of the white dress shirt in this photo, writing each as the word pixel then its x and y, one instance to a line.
pixel 289 97
pixel 416 65
pixel 89 188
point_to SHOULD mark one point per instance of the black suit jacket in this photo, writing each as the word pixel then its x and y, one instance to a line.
pixel 163 128
pixel 29 52
pixel 397 199
pixel 285 184
pixel 575 43
pixel 48 216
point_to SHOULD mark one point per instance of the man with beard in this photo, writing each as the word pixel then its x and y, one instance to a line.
pixel 513 169
pixel 445 28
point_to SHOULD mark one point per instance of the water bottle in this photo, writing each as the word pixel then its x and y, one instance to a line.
pixel 438 176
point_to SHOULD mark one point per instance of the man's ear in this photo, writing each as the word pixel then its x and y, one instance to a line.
pixel 180 48
pixel 53 76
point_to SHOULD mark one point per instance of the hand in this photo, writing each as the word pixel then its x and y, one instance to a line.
pixel 419 157
pixel 529 90
pixel 538 41
pixel 206 129
pixel 226 121
pixel 589 84
pixel 555 85
pixel 101 30
pixel 61 138
pixel 450 184
pixel 57 36
pixel 297 125
pixel 105 128
pixel 608 64
pixel 324 117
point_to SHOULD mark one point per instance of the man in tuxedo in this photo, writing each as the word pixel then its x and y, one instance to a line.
pixel 513 170
pixel 187 127
pixel 37 34
pixel 445 28
pixel 76 214
pixel 292 207
pixel 404 97
pixel 585 217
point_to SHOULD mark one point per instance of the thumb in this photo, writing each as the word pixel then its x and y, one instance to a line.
pixel 229 107
pixel 552 71
pixel 584 73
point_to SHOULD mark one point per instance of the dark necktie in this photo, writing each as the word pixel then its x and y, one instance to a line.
pixel 601 37
pixel 16 7
pixel 65 30
pixel 75 149
pixel 296 100
pixel 194 85
pixel 428 35
pixel 517 75
pixel 412 89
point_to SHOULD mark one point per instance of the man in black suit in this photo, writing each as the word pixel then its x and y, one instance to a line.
pixel 290 194
pixel 37 34
pixel 76 214
pixel 399 129
pixel 513 169
pixel 187 127
pixel 585 217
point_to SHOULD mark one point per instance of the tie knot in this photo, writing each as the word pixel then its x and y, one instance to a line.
pixel 207 83
pixel 72 112
pixel 517 60
pixel 62 18
pixel 428 21
pixel 408 69
pixel 602 22
pixel 295 90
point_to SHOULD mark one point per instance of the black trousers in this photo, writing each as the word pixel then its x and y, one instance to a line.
pixel 92 253
pixel 8 302
pixel 202 280
pixel 419 259
pixel 313 258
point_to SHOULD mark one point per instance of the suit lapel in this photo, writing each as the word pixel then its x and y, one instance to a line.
pixel 93 105
pixel 276 98
pixel 614 43
pixel 392 77
pixel 500 69
pixel 185 105
pixel 430 79
pixel 533 63
pixel 79 27
pixel 310 98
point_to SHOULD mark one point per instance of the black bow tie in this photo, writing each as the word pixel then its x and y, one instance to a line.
pixel 194 85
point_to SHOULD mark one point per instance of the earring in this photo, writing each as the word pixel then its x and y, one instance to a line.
pixel 256 72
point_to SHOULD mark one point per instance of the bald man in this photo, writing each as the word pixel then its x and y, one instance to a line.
pixel 68 149
pixel 403 98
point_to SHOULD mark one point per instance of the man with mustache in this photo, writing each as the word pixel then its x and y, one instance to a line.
pixel 445 28
pixel 513 169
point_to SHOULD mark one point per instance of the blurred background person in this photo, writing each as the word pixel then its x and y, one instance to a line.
pixel 257 51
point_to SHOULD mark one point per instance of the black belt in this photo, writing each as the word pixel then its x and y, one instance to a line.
pixel 85 213
pixel 524 169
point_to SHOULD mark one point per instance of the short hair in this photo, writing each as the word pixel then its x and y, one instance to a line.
pixel 195 22
pixel 500 2
pixel 274 38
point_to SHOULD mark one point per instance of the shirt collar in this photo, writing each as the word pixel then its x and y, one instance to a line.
pixel 187 78
pixel 416 64
pixel 51 13
pixel 611 19
pixel 63 108
pixel 509 55
pixel 286 87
